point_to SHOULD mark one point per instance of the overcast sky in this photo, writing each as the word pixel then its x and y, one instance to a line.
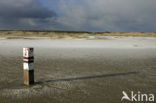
pixel 79 15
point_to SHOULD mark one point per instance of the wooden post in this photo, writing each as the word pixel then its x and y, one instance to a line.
pixel 28 66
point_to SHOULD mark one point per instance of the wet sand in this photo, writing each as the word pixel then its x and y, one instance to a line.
pixel 74 71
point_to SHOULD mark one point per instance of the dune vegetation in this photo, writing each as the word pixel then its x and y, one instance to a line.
pixel 67 34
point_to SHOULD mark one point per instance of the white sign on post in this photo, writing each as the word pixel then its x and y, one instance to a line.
pixel 28 52
pixel 28 66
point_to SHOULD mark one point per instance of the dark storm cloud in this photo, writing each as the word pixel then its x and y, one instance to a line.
pixel 24 9
pixel 23 14
pixel 83 15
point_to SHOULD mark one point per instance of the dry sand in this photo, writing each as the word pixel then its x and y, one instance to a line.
pixel 74 71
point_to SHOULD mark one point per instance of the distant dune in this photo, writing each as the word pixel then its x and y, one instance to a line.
pixel 10 34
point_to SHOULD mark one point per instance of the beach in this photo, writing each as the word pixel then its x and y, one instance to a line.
pixel 78 70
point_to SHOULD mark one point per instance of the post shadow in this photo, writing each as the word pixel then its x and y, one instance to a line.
pixel 88 77
pixel 15 85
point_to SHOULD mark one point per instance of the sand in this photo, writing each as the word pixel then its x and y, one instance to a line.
pixel 79 70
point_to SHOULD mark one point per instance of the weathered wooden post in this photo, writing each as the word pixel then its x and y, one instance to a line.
pixel 28 65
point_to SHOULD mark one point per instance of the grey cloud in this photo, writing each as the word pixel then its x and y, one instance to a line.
pixel 110 15
pixel 23 14
pixel 24 9
pixel 83 15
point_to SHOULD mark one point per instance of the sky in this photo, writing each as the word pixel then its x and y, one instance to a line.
pixel 79 15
